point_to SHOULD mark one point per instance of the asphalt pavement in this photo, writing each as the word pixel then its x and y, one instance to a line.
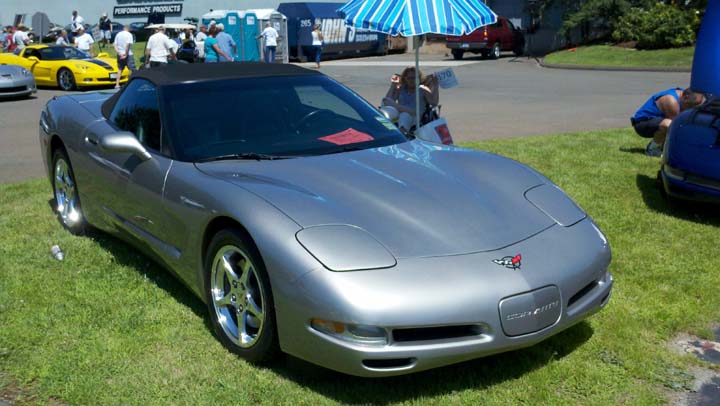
pixel 509 97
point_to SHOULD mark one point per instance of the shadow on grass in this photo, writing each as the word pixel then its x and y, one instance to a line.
pixel 640 151
pixel 476 374
pixel 654 197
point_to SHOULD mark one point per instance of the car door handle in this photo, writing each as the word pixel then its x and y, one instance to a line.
pixel 91 140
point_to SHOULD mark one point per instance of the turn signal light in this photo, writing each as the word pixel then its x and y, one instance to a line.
pixel 358 334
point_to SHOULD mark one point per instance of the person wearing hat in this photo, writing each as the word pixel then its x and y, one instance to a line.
pixel 84 41
pixel 105 30
pixel 21 38
pixel 77 22
pixel 226 43
pixel 159 48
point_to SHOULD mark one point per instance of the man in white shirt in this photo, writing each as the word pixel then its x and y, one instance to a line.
pixel 123 42
pixel 21 38
pixel 84 41
pixel 159 47
pixel 271 37
pixel 77 22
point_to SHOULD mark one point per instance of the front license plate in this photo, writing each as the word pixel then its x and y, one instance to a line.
pixel 113 76
pixel 464 45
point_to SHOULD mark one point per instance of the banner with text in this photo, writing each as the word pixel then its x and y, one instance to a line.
pixel 146 9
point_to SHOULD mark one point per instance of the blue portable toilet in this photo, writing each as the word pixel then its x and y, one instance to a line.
pixel 232 21
pixel 251 50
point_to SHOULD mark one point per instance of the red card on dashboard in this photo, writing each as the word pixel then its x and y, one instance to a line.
pixel 348 136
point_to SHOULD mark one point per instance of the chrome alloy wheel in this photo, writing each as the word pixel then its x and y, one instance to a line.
pixel 237 296
pixel 66 81
pixel 66 197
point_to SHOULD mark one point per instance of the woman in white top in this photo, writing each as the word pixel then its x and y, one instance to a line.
pixel 62 38
pixel 317 41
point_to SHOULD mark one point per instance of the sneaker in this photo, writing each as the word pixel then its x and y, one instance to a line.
pixel 653 149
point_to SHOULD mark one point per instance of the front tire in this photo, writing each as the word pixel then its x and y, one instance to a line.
pixel 495 53
pixel 67 197
pixel 66 80
pixel 239 297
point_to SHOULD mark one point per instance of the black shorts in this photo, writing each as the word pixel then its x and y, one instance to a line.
pixel 647 128
pixel 128 62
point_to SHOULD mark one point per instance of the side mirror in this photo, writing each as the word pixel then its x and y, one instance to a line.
pixel 33 58
pixel 103 55
pixel 123 142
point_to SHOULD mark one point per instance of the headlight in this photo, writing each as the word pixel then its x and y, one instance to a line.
pixel 555 204
pixel 25 72
pixel 345 248
pixel 354 333
pixel 673 173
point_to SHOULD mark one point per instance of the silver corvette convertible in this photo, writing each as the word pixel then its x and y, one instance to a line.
pixel 16 81
pixel 310 225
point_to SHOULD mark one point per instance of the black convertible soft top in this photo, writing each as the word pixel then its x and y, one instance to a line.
pixel 175 73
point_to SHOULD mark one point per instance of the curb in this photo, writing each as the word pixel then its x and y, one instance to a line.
pixel 542 63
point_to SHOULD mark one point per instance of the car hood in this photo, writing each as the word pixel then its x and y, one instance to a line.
pixel 417 199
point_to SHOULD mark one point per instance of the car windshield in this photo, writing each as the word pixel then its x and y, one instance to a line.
pixel 274 117
pixel 62 53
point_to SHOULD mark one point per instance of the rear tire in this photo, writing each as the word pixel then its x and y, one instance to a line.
pixel 457 54
pixel 67 196
pixel 495 53
pixel 66 80
pixel 239 297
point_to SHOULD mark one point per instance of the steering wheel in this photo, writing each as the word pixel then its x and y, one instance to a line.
pixel 313 114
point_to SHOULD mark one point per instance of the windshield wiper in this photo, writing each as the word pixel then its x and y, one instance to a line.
pixel 243 156
pixel 346 149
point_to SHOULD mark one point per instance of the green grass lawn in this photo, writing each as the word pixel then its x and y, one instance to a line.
pixel 107 326
pixel 606 55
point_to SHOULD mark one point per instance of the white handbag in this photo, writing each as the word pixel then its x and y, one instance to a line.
pixel 436 131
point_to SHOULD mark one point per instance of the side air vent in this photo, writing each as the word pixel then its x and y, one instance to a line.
pixel 584 291
pixel 436 333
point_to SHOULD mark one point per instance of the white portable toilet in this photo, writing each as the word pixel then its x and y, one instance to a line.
pixel 279 22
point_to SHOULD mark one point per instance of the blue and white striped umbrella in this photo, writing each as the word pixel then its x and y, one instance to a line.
pixel 417 17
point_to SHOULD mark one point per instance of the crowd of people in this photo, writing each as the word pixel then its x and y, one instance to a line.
pixel 211 44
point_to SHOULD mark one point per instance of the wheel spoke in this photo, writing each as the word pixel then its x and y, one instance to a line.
pixel 228 269
pixel 224 301
pixel 253 309
pixel 246 266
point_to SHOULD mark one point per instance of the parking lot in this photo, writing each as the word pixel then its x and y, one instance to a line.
pixel 510 97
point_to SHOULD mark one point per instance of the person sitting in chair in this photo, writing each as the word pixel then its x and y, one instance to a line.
pixel 401 96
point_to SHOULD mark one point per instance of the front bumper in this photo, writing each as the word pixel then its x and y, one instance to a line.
pixel 17 87
pixel 690 187
pixel 427 295
pixel 103 79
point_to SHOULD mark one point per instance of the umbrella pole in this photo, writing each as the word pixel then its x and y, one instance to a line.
pixel 417 83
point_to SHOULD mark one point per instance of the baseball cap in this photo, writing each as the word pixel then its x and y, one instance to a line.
pixel 220 26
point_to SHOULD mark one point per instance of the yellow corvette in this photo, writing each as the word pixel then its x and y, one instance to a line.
pixel 66 67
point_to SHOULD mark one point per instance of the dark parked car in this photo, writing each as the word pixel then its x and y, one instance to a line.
pixel 116 28
pixel 138 30
pixel 490 40
pixel 691 159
